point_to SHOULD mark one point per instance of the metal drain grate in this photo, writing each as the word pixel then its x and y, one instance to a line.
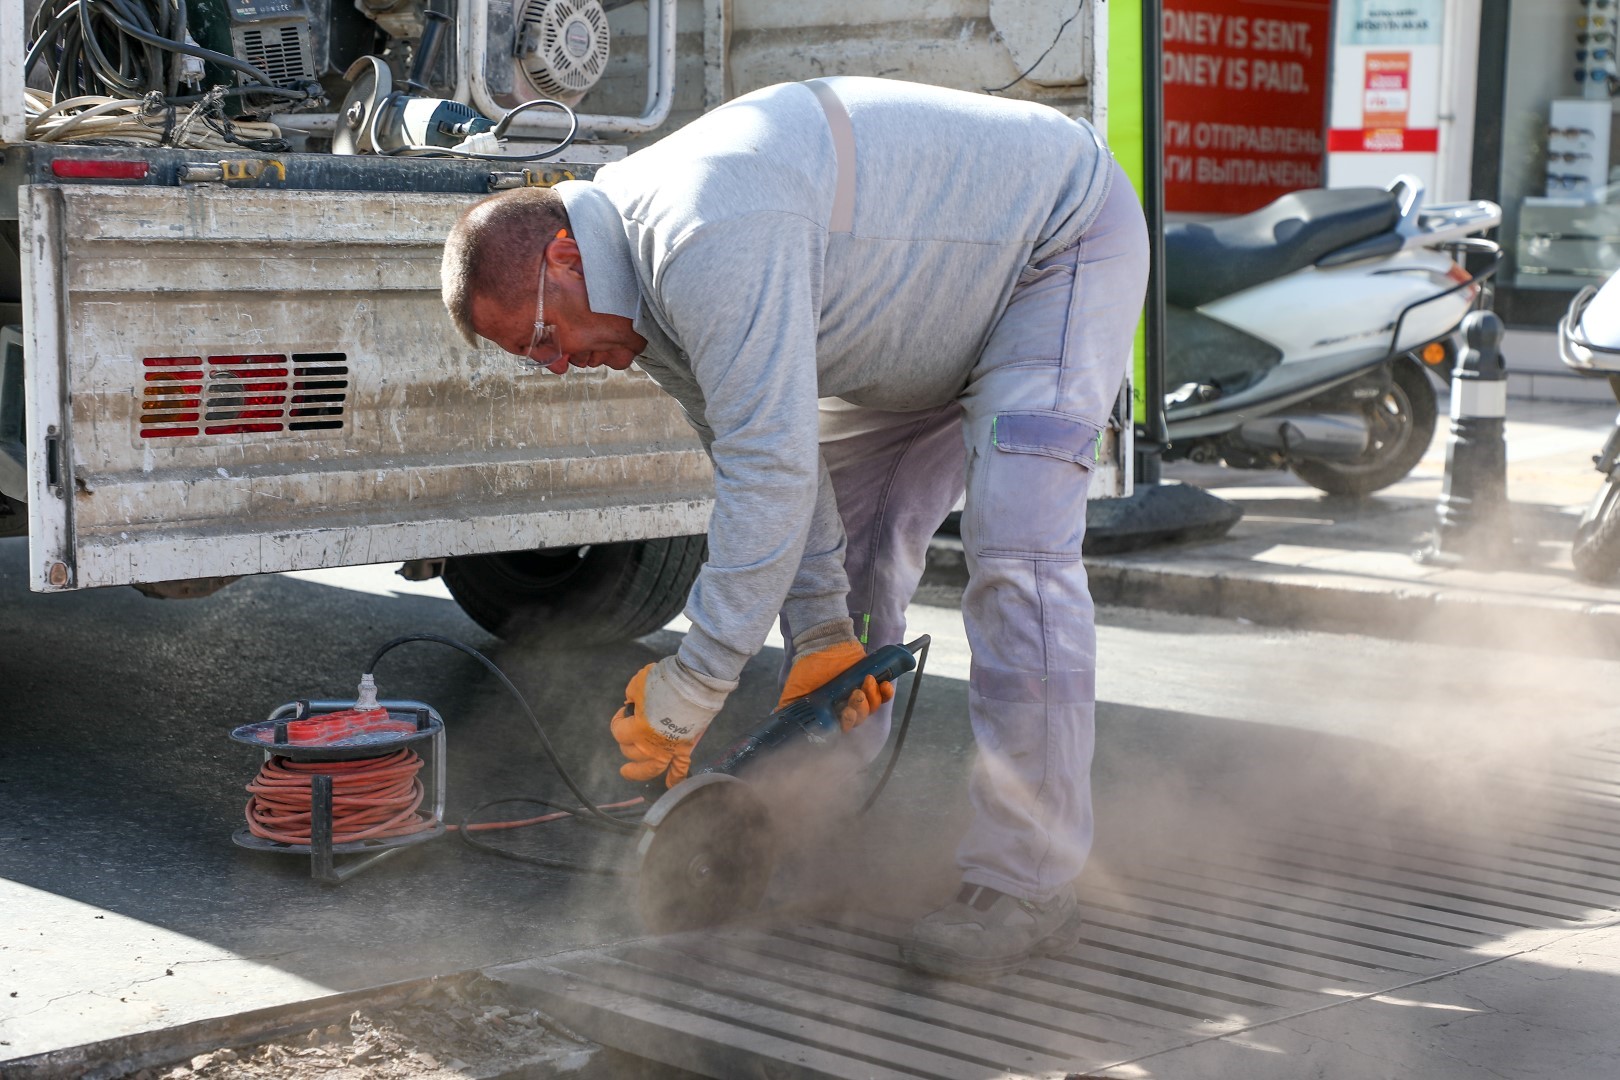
pixel 183 397
pixel 1180 948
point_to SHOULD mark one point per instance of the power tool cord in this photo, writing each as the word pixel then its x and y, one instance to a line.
pixel 498 131
pixel 588 811
pixel 73 37
pixel 589 808
pixel 466 830
pixel 905 723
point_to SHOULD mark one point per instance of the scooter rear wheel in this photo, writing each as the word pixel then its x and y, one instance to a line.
pixel 1596 552
pixel 1402 422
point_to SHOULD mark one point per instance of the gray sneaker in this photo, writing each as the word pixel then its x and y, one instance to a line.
pixel 984 933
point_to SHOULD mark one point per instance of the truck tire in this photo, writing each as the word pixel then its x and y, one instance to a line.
pixel 574 596
pixel 1596 552
pixel 1403 422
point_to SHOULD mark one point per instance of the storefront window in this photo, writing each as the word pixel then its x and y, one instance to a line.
pixel 1561 216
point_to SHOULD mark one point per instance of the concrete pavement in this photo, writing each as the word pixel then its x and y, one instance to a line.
pixel 120 789
pixel 1303 559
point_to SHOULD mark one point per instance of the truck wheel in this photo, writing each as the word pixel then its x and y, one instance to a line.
pixel 1402 423
pixel 592 595
pixel 1597 538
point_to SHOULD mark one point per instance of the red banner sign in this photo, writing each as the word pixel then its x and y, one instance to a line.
pixel 1245 98
pixel 1386 107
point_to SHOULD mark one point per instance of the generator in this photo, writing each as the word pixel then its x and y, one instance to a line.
pixel 447 70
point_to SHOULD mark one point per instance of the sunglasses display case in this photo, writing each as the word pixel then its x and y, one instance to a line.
pixel 1579 137
pixel 1570 236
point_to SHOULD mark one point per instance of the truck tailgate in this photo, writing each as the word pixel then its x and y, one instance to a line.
pixel 239 382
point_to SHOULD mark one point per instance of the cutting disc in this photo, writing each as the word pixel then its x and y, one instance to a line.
pixel 707 855
pixel 369 87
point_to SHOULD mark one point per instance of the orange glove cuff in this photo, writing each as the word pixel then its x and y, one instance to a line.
pixel 648 752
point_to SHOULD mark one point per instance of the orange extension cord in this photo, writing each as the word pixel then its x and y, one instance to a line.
pixel 488 826
pixel 372 799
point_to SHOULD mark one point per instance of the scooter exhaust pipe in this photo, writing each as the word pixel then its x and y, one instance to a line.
pixel 1336 436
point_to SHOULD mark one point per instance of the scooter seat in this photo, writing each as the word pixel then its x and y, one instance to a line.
pixel 1205 261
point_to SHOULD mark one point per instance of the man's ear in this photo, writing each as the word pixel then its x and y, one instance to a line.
pixel 563 257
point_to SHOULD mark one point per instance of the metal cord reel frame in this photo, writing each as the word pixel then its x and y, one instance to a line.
pixel 321 850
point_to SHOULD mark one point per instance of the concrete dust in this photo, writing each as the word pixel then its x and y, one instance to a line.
pixel 1319 763
pixel 1255 751
pixel 898 859
pixel 446 1031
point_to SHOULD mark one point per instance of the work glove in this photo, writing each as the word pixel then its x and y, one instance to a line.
pixel 820 655
pixel 667 707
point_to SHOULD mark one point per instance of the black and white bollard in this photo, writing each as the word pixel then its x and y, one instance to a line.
pixel 1474 525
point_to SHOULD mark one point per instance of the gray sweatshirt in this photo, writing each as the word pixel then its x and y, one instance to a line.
pixel 716 241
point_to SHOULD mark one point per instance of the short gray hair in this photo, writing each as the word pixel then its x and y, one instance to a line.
pixel 491 238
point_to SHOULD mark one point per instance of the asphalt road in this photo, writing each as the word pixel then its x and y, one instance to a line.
pixel 124 905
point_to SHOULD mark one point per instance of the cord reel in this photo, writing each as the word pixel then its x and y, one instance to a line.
pixel 341 779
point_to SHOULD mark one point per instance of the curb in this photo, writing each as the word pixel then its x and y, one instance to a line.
pixel 1181 582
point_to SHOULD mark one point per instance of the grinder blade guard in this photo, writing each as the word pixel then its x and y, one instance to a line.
pixel 710 845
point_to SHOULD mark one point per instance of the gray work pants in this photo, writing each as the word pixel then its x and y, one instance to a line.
pixel 1028 420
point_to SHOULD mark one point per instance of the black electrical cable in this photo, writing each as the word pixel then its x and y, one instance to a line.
pixel 588 807
pixel 117 48
pixel 589 812
pixel 522 107
pixel 241 91
pixel 1022 75
pixel 925 642
pixel 498 131
pixel 470 839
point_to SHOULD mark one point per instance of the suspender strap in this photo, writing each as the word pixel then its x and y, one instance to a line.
pixel 843 137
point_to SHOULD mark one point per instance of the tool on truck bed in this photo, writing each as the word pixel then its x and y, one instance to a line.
pixel 343 779
pixel 209 74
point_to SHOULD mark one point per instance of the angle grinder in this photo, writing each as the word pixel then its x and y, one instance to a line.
pixel 710 844
pixel 376 118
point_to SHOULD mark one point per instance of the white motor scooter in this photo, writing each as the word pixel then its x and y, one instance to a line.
pixel 1589 342
pixel 1302 335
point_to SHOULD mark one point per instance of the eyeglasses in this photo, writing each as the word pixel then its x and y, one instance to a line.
pixel 1591 20
pixel 1566 180
pixel 1596 39
pixel 1598 55
pixel 1596 3
pixel 1596 74
pixel 1565 155
pixel 542 330
pixel 1569 133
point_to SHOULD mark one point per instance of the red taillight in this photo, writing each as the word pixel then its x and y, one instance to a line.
pixel 99 170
